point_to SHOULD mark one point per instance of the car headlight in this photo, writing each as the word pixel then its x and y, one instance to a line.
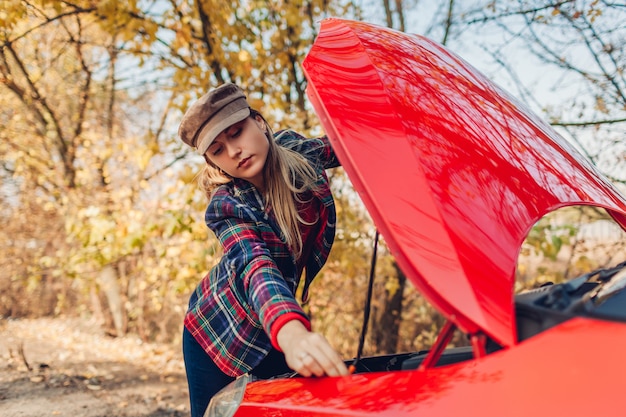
pixel 226 402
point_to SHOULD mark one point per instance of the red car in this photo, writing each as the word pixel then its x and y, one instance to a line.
pixel 454 173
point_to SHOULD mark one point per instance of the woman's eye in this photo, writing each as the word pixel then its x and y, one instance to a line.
pixel 236 132
pixel 216 151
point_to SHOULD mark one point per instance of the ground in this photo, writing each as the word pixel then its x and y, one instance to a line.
pixel 69 367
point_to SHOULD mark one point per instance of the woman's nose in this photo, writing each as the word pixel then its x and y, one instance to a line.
pixel 233 150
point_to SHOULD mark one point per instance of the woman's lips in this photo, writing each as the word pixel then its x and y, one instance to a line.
pixel 243 162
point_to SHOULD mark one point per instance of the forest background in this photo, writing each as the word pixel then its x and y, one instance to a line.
pixel 100 213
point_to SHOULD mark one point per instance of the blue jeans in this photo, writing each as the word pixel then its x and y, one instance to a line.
pixel 205 379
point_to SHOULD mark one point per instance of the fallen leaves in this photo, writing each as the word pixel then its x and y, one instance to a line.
pixel 75 369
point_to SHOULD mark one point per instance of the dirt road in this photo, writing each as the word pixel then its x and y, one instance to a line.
pixel 68 367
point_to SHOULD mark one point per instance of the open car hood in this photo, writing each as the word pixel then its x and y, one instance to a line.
pixel 453 171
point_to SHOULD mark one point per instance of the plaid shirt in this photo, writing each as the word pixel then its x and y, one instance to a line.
pixel 232 310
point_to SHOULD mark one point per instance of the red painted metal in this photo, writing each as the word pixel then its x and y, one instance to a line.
pixel 453 171
pixel 575 369
pixel 443 338
pixel 479 344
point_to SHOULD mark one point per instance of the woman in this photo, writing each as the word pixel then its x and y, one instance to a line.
pixel 271 208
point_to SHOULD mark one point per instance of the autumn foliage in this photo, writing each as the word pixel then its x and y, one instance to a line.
pixel 100 213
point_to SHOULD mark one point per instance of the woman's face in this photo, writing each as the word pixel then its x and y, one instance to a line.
pixel 241 150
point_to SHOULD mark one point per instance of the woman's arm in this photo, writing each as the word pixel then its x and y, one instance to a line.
pixel 317 150
pixel 253 272
pixel 269 295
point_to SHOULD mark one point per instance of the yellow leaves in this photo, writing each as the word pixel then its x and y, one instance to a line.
pixel 103 236
pixel 187 175
pixel 293 17
pixel 11 12
pixel 593 11
pixel 601 105
pixel 392 285
pixel 183 35
pixel 585 264
pixel 110 9
pixel 101 228
pixel 244 56
pixel 143 158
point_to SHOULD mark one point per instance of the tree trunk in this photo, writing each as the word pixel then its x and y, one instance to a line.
pixel 108 280
pixel 386 326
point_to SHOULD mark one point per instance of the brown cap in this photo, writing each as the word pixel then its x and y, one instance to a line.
pixel 212 114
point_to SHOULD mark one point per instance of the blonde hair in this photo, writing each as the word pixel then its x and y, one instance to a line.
pixel 287 175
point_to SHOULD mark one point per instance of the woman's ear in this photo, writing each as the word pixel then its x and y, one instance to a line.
pixel 259 120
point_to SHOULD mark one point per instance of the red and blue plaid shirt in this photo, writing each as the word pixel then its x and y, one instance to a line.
pixel 234 309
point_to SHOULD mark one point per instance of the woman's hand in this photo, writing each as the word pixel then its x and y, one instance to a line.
pixel 308 353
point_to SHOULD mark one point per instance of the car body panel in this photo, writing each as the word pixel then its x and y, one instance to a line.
pixel 552 374
pixel 453 171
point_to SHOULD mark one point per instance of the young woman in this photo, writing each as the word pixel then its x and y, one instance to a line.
pixel 271 208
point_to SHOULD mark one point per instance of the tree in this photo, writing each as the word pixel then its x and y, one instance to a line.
pixel 582 42
pixel 91 150
pixel 81 163
pixel 100 210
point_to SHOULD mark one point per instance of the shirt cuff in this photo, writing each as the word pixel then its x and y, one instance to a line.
pixel 281 321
